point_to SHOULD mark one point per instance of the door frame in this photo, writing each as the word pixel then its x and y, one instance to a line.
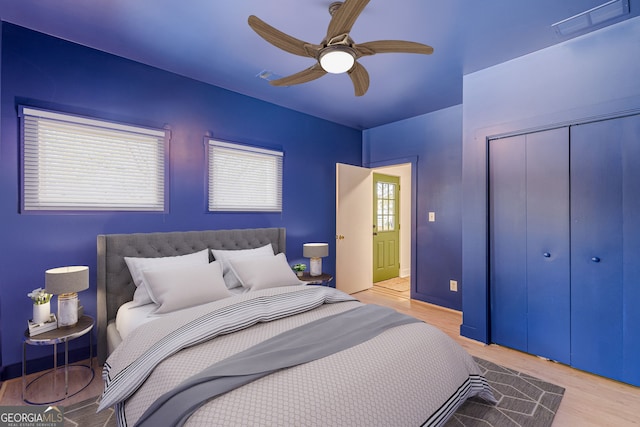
pixel 413 161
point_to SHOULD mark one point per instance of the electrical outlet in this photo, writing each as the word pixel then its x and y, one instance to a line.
pixel 453 285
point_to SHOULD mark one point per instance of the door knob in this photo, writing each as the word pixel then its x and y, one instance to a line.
pixel 546 254
pixel 595 259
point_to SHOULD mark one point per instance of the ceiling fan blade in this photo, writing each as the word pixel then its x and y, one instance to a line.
pixel 281 40
pixel 344 18
pixel 392 46
pixel 303 76
pixel 360 78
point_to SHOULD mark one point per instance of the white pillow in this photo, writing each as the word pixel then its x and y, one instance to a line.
pixel 185 286
pixel 264 272
pixel 138 265
pixel 224 256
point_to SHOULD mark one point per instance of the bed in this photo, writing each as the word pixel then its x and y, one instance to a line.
pixel 264 354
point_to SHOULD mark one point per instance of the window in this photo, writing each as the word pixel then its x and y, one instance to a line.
pixel 72 163
pixel 386 204
pixel 243 178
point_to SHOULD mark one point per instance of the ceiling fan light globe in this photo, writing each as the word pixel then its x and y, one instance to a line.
pixel 337 61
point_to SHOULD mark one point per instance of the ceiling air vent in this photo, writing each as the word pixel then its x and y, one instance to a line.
pixel 268 75
pixel 591 18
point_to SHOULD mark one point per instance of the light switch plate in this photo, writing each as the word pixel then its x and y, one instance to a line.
pixel 432 217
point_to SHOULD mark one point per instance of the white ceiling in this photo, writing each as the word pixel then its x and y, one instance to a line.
pixel 210 41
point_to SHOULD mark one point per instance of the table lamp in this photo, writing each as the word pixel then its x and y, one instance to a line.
pixel 315 251
pixel 65 282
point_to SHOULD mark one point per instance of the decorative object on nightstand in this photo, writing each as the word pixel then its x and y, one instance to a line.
pixel 315 251
pixel 41 305
pixel 299 269
pixel 38 328
pixel 321 279
pixel 65 282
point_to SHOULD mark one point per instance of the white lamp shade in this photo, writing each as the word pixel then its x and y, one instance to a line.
pixel 315 250
pixel 64 280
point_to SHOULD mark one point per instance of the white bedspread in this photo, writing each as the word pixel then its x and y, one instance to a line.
pixel 406 376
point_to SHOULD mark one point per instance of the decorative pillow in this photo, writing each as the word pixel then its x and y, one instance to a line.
pixel 224 256
pixel 138 265
pixel 264 272
pixel 185 286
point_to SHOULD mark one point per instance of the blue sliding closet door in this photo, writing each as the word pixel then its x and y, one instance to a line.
pixel 507 242
pixel 529 243
pixel 605 240
pixel 564 236
pixel 631 250
pixel 548 250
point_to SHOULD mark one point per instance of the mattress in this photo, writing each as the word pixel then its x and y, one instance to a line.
pixel 130 316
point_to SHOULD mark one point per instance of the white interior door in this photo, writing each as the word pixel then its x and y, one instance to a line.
pixel 354 233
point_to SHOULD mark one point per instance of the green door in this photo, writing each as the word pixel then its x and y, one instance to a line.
pixel 386 229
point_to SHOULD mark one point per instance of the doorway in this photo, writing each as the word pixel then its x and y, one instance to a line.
pixel 399 284
pixel 354 213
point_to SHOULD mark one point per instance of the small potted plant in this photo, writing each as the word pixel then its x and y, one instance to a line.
pixel 41 305
pixel 299 269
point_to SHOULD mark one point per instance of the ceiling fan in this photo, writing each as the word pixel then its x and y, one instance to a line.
pixel 337 53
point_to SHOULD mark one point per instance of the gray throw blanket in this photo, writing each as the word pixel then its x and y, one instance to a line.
pixel 304 344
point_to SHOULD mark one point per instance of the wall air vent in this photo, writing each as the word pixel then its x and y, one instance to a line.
pixel 591 18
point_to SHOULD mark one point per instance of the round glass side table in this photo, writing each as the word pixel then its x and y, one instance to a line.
pixel 52 387
pixel 322 279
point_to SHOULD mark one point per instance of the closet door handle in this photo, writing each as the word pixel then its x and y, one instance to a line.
pixel 595 259
pixel 546 255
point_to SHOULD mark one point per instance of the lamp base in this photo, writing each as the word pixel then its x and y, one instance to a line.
pixel 315 265
pixel 67 310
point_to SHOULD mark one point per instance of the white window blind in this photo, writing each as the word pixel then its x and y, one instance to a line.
pixel 82 164
pixel 243 178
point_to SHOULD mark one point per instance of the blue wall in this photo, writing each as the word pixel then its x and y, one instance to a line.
pixel 590 76
pixel 43 71
pixel 436 140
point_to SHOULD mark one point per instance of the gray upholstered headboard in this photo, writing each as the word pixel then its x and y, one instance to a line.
pixel 115 285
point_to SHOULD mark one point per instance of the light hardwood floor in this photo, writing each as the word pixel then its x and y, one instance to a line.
pixel 589 400
pixel 11 391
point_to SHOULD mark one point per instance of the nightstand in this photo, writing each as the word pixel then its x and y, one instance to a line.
pixel 322 279
pixel 54 337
